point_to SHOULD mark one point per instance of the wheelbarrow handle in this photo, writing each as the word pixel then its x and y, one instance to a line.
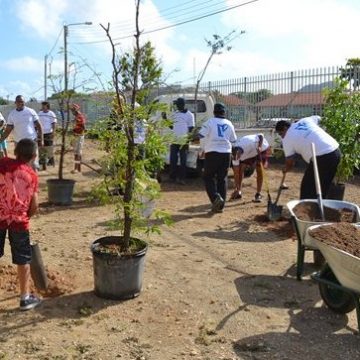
pixel 280 188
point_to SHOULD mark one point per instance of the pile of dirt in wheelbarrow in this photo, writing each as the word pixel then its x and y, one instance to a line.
pixel 309 211
pixel 342 236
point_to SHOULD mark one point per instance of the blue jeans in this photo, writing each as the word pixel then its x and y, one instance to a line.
pixel 175 150
pixel 20 246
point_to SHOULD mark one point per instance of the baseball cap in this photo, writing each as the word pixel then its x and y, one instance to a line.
pixel 219 108
pixel 180 101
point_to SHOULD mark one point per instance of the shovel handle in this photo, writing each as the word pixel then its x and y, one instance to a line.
pixel 280 188
pixel 266 181
pixel 317 182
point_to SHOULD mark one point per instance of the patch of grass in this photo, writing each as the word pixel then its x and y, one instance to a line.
pixel 85 310
pixel 204 336
pixel 82 349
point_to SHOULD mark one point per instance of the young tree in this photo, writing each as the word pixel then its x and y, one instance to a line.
pixel 134 74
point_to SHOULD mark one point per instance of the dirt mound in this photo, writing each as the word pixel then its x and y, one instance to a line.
pixel 58 284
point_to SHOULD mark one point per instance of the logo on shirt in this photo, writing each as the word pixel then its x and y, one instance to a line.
pixel 301 126
pixel 221 128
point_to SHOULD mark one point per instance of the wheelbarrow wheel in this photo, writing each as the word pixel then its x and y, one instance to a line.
pixel 337 300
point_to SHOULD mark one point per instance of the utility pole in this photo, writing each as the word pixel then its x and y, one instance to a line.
pixel 45 77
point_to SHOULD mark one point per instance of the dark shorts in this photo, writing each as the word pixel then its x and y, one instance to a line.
pixel 20 246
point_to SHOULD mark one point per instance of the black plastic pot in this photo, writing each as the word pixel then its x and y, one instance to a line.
pixel 60 192
pixel 117 277
pixel 336 191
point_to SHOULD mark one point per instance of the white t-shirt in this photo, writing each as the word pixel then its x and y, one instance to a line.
pixel 139 131
pixel 217 134
pixel 47 119
pixel 181 123
pixel 249 145
pixel 301 134
pixel 23 123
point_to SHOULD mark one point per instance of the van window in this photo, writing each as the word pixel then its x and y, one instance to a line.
pixel 190 105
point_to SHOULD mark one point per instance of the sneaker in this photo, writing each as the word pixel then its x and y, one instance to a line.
pixel 29 303
pixel 236 195
pixel 218 204
pixel 257 198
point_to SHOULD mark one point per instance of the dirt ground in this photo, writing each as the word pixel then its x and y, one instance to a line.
pixel 215 287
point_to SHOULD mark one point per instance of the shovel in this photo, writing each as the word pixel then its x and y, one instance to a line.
pixel 37 268
pixel 319 259
pixel 274 211
pixel 317 183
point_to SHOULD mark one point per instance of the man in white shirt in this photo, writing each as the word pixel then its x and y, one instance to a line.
pixel 252 151
pixel 216 138
pixel 183 124
pixel 24 123
pixel 48 121
pixel 297 139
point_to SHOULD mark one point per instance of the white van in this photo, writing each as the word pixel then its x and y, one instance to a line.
pixel 203 112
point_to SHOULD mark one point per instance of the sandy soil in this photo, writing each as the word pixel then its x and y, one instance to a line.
pixel 215 287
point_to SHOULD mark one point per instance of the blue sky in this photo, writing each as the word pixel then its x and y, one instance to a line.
pixel 280 35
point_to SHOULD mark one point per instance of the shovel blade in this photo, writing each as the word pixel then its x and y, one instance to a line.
pixel 274 211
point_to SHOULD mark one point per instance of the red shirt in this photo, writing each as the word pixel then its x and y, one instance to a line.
pixel 18 183
pixel 79 127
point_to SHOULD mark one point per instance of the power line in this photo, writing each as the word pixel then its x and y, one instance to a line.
pixel 173 25
pixel 128 25
pixel 57 40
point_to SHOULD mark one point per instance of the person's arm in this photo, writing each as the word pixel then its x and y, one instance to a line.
pixel 53 126
pixel 260 144
pixel 34 205
pixel 39 130
pixel 289 163
pixel 6 133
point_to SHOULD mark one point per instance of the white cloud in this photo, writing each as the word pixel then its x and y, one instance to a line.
pixel 43 17
pixel 307 33
pixel 24 64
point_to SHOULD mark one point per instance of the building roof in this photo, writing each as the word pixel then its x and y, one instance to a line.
pixel 233 100
pixel 294 99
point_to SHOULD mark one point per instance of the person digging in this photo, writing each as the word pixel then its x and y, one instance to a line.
pixel 252 152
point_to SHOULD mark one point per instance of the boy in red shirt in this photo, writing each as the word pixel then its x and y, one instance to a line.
pixel 19 201
pixel 79 132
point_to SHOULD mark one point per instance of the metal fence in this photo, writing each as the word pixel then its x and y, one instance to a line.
pixel 250 101
pixel 259 100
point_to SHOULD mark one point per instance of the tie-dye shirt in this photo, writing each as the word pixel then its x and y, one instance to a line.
pixel 18 183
